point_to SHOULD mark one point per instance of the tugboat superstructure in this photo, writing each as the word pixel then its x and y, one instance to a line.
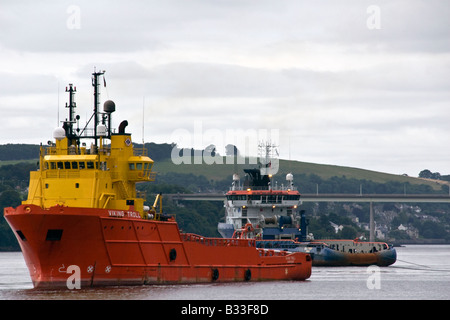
pixel 271 214
pixel 256 200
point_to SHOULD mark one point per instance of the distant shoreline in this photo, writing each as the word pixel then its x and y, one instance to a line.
pixel 419 242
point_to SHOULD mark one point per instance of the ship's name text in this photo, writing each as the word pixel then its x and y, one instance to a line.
pixel 122 214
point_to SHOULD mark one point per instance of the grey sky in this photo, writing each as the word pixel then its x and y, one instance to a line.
pixel 338 90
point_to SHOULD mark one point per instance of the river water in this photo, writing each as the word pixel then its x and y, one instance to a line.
pixel 422 272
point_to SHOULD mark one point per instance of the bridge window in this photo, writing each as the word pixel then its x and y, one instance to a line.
pixel 138 166
pixel 235 197
pixel 103 166
pixel 271 199
pixel 53 165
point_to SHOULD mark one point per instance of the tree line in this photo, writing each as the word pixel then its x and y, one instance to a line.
pixel 17 152
pixel 427 174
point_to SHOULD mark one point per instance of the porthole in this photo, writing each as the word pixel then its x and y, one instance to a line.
pixel 247 275
pixel 172 254
pixel 215 274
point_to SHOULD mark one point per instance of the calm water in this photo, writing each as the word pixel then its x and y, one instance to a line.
pixel 421 272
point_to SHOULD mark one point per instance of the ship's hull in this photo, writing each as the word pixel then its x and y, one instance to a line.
pixel 100 247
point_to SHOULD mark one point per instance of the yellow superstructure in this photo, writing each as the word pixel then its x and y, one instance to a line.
pixel 103 176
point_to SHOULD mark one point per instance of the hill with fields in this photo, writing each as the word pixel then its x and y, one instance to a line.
pixel 225 170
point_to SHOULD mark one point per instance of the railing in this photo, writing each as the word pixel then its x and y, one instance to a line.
pixel 218 241
pixel 63 174
pixel 141 175
pixel 231 243
pixel 140 151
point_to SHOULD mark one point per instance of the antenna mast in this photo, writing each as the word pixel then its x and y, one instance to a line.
pixel 72 105
pixel 96 85
pixel 143 121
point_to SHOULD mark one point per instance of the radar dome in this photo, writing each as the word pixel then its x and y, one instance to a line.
pixel 109 106
pixel 59 133
pixel 101 130
pixel 289 177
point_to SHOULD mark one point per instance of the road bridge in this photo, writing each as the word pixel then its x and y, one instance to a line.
pixel 335 197
pixel 330 197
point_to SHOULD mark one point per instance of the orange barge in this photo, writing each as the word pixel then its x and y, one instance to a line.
pixel 84 224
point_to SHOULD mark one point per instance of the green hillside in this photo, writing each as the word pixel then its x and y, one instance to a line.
pixel 223 171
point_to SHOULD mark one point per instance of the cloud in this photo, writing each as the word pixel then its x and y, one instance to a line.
pixel 337 91
pixel 15 84
pixel 113 26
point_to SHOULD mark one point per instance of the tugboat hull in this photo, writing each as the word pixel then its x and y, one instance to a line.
pixel 340 259
pixel 322 255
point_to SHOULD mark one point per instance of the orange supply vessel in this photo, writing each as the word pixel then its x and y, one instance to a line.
pixel 84 222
